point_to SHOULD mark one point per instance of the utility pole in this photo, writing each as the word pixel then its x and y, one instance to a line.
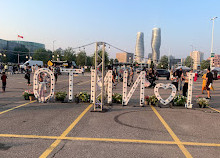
pixel 18 58
pixel 53 45
pixel 213 20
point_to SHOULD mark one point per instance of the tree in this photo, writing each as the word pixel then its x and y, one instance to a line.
pixel 189 61
pixel 57 54
pixel 22 51
pixel 42 55
pixel 116 61
pixel 163 64
pixel 69 54
pixel 111 61
pixel 89 61
pixel 205 64
pixel 81 58
pixel 99 60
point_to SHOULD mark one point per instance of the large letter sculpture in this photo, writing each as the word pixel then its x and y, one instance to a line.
pixel 165 86
pixel 71 71
pixel 126 97
pixel 107 84
pixel 36 83
pixel 189 93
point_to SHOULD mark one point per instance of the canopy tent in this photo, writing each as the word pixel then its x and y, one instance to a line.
pixel 184 68
pixel 216 69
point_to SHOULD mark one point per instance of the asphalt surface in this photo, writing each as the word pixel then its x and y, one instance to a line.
pixel 123 131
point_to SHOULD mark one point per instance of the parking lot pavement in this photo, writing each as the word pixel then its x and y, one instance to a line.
pixel 71 130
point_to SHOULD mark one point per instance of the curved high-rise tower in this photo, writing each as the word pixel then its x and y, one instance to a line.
pixel 139 49
pixel 155 44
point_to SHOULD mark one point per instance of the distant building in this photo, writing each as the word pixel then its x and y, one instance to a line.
pixel 197 57
pixel 139 49
pixel 10 45
pixel 183 61
pixel 155 44
pixel 124 57
pixel 31 46
pixel 174 62
pixel 215 61
pixel 150 56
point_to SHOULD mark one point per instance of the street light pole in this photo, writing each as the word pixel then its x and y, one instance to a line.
pixel 53 45
pixel 213 20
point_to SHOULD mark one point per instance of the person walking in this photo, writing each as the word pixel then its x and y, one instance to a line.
pixel 3 78
pixel 131 76
pixel 209 81
pixel 203 83
pixel 28 76
pixel 114 74
pixel 6 67
pixel 185 86
pixel 55 69
pixel 174 79
pixel 180 77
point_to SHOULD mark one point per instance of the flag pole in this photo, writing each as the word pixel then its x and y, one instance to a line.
pixel 18 51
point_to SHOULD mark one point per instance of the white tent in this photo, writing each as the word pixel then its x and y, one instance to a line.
pixel 184 68
pixel 216 69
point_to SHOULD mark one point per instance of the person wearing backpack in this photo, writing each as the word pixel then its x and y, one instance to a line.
pixel 27 76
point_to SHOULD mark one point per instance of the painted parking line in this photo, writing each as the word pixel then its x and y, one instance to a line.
pixel 16 107
pixel 110 140
pixel 213 109
pixel 64 134
pixel 173 135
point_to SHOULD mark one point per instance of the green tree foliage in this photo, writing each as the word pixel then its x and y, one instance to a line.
pixel 99 60
pixel 57 54
pixel 116 61
pixel 111 61
pixel 163 64
pixel 13 56
pixel 69 54
pixel 42 55
pixel 205 64
pixel 81 58
pixel 89 61
pixel 189 62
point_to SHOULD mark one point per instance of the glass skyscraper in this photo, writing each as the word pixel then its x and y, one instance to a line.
pixel 155 44
pixel 139 49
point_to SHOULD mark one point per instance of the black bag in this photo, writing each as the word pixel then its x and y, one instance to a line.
pixel 26 76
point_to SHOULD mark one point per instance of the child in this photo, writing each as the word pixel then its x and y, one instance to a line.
pixel 3 78
pixel 41 89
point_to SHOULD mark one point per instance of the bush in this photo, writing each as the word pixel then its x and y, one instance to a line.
pixel 83 97
pixel 153 100
pixel 60 96
pixel 117 98
pixel 27 93
pixel 203 102
pixel 179 100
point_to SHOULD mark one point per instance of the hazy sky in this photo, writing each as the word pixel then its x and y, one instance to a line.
pixel 74 23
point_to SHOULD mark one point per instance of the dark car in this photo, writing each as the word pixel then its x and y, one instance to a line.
pixel 163 73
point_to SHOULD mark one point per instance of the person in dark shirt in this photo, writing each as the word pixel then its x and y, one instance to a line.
pixel 28 76
pixel 180 74
pixel 3 78
pixel 209 80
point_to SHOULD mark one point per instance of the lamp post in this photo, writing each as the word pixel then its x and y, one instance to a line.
pixel 213 20
pixel 53 45
pixel 58 59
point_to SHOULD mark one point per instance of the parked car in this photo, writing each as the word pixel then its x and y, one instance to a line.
pixel 163 73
